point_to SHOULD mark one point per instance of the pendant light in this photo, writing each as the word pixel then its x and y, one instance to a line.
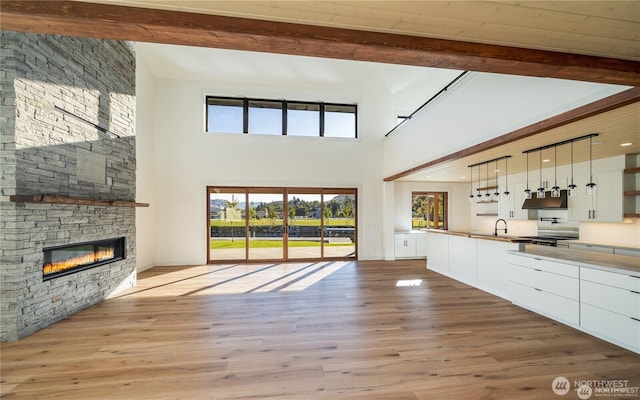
pixel 571 189
pixel 479 195
pixel 527 191
pixel 555 190
pixel 471 196
pixel 506 195
pixel 591 186
pixel 496 193
pixel 487 195
pixel 540 193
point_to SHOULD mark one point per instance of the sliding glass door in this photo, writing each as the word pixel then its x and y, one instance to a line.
pixel 227 224
pixel 266 224
pixel 252 223
pixel 304 227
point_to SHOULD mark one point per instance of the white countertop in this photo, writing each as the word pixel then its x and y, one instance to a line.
pixel 584 258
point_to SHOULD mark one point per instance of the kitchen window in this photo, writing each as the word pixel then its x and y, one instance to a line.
pixel 429 210
pixel 281 117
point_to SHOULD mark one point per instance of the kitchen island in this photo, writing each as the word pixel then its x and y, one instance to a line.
pixel 474 258
pixel 594 292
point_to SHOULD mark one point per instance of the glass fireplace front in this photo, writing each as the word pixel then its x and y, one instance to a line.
pixel 63 260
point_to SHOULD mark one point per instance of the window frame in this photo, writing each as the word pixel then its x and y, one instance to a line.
pixel 211 101
pixel 445 213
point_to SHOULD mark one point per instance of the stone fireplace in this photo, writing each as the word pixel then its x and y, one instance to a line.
pixel 67 156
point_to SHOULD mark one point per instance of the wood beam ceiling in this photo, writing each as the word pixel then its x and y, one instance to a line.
pixel 183 28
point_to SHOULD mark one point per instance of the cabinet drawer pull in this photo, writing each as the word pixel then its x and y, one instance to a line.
pixel 539 259
pixel 539 290
pixel 635 319
pixel 633 291
pixel 536 269
pixel 633 276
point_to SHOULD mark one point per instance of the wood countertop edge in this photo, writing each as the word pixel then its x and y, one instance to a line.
pixel 506 239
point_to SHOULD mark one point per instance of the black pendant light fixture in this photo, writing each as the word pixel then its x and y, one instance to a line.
pixel 571 189
pixel 471 196
pixel 591 186
pixel 555 190
pixel 496 193
pixel 527 191
pixel 506 195
pixel 487 195
pixel 540 193
pixel 479 195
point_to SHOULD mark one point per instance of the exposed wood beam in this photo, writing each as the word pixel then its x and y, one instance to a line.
pixel 597 107
pixel 183 28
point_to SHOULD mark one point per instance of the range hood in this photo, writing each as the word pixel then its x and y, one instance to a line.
pixel 547 203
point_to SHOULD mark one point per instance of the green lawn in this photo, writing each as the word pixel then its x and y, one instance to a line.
pixel 292 222
pixel 417 223
pixel 240 243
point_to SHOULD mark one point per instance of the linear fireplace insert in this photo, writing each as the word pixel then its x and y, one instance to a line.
pixel 68 259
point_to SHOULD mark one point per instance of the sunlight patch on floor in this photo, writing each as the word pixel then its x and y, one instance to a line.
pixel 409 282
pixel 232 279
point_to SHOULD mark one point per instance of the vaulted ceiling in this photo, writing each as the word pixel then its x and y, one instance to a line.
pixel 597 41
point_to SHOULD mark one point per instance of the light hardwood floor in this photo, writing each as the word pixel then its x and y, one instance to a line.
pixel 305 331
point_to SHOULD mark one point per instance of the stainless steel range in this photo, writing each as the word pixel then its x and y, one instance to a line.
pixel 554 226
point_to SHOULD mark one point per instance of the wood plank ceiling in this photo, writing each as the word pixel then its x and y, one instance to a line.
pixel 595 41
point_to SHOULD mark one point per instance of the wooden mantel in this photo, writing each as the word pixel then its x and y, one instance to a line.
pixel 74 201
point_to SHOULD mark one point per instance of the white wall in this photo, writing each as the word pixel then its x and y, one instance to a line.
pixel 187 160
pixel 481 106
pixel 145 167
pixel 458 205
pixel 626 233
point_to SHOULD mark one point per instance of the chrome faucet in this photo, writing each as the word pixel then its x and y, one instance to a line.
pixel 495 227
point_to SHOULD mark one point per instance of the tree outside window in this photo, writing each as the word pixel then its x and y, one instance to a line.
pixel 429 210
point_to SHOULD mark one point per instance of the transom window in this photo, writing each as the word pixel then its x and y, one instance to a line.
pixel 281 117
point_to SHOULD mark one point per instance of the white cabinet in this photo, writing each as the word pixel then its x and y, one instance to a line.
pixel 410 245
pixel 602 303
pixel 438 252
pixel 610 306
pixel 605 206
pixel 421 245
pixel 405 245
pixel 549 288
pixel 512 208
pixel 462 259
pixel 492 266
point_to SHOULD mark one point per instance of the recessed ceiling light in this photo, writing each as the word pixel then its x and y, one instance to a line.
pixel 496 170
pixel 546 160
pixel 626 144
pixel 463 177
pixel 597 142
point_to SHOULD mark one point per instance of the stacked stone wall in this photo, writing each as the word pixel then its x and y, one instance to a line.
pixel 68 130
